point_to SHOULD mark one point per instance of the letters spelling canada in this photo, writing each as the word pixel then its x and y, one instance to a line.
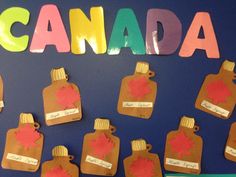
pixel 92 29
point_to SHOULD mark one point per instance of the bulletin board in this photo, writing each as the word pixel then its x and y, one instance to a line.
pixel 99 76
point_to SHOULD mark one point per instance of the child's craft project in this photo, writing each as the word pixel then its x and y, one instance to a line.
pixel 100 150
pixel 230 149
pixel 60 166
pixel 142 163
pixel 183 150
pixel 218 92
pixel 138 93
pixel 24 145
pixel 62 101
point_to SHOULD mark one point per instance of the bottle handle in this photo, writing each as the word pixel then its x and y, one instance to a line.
pixel 234 76
pixel 71 157
pixel 151 74
pixel 36 125
pixel 112 129
pixel 149 147
pixel 196 128
pixel 67 77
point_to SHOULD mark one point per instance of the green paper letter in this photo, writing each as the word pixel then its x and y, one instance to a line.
pixel 126 21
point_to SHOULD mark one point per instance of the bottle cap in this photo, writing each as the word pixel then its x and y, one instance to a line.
pixel 26 118
pixel 142 67
pixel 187 122
pixel 139 145
pixel 101 124
pixel 228 65
pixel 60 151
pixel 58 74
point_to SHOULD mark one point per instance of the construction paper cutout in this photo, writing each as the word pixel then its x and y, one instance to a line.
pixel 100 152
pixel 102 146
pixel 142 167
pixel 27 136
pixel 193 42
pixel 172 32
pixel 201 175
pixel 7 18
pixel 218 91
pixel 49 14
pixel 138 93
pixel 57 172
pixel 230 147
pixel 93 31
pixel 217 94
pixel 60 165
pixel 183 150
pixel 67 96
pixel 139 87
pixel 126 21
pixel 181 144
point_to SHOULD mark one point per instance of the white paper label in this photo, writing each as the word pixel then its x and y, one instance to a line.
pixel 214 108
pixel 23 159
pixel 137 104
pixel 98 162
pixel 230 151
pixel 56 115
pixel 1 104
pixel 181 163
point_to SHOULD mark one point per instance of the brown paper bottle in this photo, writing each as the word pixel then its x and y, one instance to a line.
pixel 100 150
pixel 1 94
pixel 183 150
pixel 230 149
pixel 217 95
pixel 60 165
pixel 142 163
pixel 62 101
pixel 20 155
pixel 138 93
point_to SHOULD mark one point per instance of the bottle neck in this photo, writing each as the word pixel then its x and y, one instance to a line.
pixel 24 124
pixel 229 75
pixel 59 81
pixel 107 131
pixel 142 74
pixel 62 158
pixel 139 152
pixel 186 129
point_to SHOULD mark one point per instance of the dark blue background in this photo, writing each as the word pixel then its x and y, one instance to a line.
pixel 99 76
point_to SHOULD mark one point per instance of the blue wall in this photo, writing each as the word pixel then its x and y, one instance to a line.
pixel 99 76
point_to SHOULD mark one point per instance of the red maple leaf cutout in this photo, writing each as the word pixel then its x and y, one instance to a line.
pixel 142 167
pixel 101 146
pixel 181 144
pixel 139 87
pixel 218 91
pixel 67 96
pixel 27 136
pixel 57 172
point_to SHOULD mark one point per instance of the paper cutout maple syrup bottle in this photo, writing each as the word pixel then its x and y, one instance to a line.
pixel 142 163
pixel 100 150
pixel 230 149
pixel 138 93
pixel 60 165
pixel 1 94
pixel 183 150
pixel 24 145
pixel 62 101
pixel 218 92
